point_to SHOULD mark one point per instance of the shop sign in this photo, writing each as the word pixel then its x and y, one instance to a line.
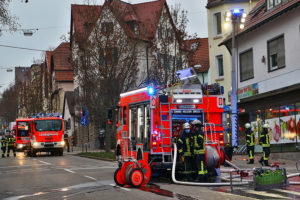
pixel 248 91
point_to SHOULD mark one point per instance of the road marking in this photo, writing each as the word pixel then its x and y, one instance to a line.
pixel 17 166
pixel 70 171
pixel 266 194
pixel 287 191
pixel 46 163
pixel 90 178
pixel 126 189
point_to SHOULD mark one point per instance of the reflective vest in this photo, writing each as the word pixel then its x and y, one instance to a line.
pixel 228 144
pixel 250 137
pixel 184 144
pixel 264 138
pixel 11 141
pixel 199 144
pixel 3 142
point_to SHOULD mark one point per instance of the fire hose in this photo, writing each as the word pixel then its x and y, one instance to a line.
pixel 198 183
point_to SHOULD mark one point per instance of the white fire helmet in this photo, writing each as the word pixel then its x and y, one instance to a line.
pixel 247 125
pixel 266 126
pixel 186 126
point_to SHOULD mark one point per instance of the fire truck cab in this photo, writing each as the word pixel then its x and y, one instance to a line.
pixel 150 119
pixel 23 130
pixel 46 135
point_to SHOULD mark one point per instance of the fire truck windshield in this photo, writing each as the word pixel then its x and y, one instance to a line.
pixel 22 129
pixel 48 125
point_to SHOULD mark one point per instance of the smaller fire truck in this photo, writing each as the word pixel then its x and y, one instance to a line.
pixel 46 135
pixel 23 132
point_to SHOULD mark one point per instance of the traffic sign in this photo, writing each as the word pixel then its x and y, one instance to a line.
pixel 84 121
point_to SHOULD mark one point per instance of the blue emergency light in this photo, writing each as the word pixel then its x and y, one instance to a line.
pixel 237 11
pixel 150 90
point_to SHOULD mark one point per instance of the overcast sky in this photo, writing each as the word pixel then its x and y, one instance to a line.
pixel 52 18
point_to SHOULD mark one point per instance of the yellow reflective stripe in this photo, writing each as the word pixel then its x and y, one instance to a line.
pixel 188 148
pixel 199 151
pixel 187 153
pixel 180 150
pixel 251 155
pixel 180 140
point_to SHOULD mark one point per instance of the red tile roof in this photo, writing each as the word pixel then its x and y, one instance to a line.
pixel 145 15
pixel 48 60
pixel 64 76
pixel 80 15
pixel 62 57
pixel 199 55
pixel 259 15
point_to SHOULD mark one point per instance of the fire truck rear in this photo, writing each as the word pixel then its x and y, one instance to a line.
pixel 46 136
pixel 149 119
pixel 23 130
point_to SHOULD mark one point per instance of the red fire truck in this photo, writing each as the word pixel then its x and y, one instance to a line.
pixel 150 118
pixel 23 132
pixel 46 135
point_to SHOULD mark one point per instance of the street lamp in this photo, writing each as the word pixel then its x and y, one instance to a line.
pixel 237 17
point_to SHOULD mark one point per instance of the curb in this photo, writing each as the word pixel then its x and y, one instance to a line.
pixel 95 158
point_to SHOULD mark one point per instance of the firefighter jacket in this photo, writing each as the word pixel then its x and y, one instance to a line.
pixel 228 144
pixel 199 142
pixel 185 144
pixel 11 141
pixel 264 138
pixel 3 142
pixel 250 137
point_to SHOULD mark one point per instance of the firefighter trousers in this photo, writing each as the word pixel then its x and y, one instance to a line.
pixel 250 151
pixel 229 152
pixel 266 153
pixel 11 148
pixel 201 167
pixel 188 167
pixel 3 149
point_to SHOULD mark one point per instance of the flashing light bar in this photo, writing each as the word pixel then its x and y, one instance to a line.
pixel 134 92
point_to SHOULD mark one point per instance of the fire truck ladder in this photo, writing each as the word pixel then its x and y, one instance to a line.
pixel 164 114
pixel 211 128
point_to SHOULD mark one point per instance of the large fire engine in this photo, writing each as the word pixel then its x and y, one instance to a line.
pixel 23 132
pixel 150 118
pixel 46 135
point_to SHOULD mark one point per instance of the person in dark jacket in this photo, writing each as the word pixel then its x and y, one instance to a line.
pixel 199 151
pixel 3 146
pixel 184 144
pixel 11 141
pixel 250 140
pixel 265 142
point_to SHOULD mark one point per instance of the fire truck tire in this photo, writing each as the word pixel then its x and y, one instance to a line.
pixel 32 152
pixel 118 178
pixel 136 178
pixel 61 152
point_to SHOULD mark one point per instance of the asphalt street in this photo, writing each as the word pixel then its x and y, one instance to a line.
pixel 73 177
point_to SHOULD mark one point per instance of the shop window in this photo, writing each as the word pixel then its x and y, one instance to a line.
pixel 246 65
pixel 276 53
pixel 287 124
pixel 272 118
pixel 297 114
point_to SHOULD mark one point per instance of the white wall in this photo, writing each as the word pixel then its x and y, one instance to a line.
pixel 287 24
pixel 67 116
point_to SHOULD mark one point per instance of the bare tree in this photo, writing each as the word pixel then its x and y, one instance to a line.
pixel 6 19
pixel 107 64
pixel 9 104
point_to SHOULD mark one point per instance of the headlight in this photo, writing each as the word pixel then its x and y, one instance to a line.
pixel 62 143
pixel 35 144
pixel 20 145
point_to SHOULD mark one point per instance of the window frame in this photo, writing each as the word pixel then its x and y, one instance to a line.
pixel 268 54
pixel 217 65
pixel 240 67
pixel 215 24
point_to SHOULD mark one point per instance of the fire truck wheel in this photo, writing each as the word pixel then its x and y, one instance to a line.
pixel 117 177
pixel 61 152
pixel 32 152
pixel 136 178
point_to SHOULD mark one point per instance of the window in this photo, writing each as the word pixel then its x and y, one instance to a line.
pixel 246 65
pixel 276 53
pixel 219 65
pixel 217 24
pixel 273 3
pixel 159 33
pixel 194 46
pixel 107 27
pixel 108 56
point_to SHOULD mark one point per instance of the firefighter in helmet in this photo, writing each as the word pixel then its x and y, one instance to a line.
pixel 11 140
pixel 265 142
pixel 184 149
pixel 3 146
pixel 250 139
pixel 199 150
pixel 228 147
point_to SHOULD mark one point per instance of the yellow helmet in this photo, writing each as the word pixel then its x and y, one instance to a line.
pixel 266 126
pixel 186 126
pixel 247 125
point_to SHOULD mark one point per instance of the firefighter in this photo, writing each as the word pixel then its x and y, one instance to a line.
pixel 11 145
pixel 228 148
pixel 250 139
pixel 265 142
pixel 199 151
pixel 3 146
pixel 185 149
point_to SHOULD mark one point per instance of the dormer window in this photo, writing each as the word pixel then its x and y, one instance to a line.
pixel 273 3
pixel 134 26
pixel 194 46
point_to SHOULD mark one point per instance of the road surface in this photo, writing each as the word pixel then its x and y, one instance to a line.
pixel 73 177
